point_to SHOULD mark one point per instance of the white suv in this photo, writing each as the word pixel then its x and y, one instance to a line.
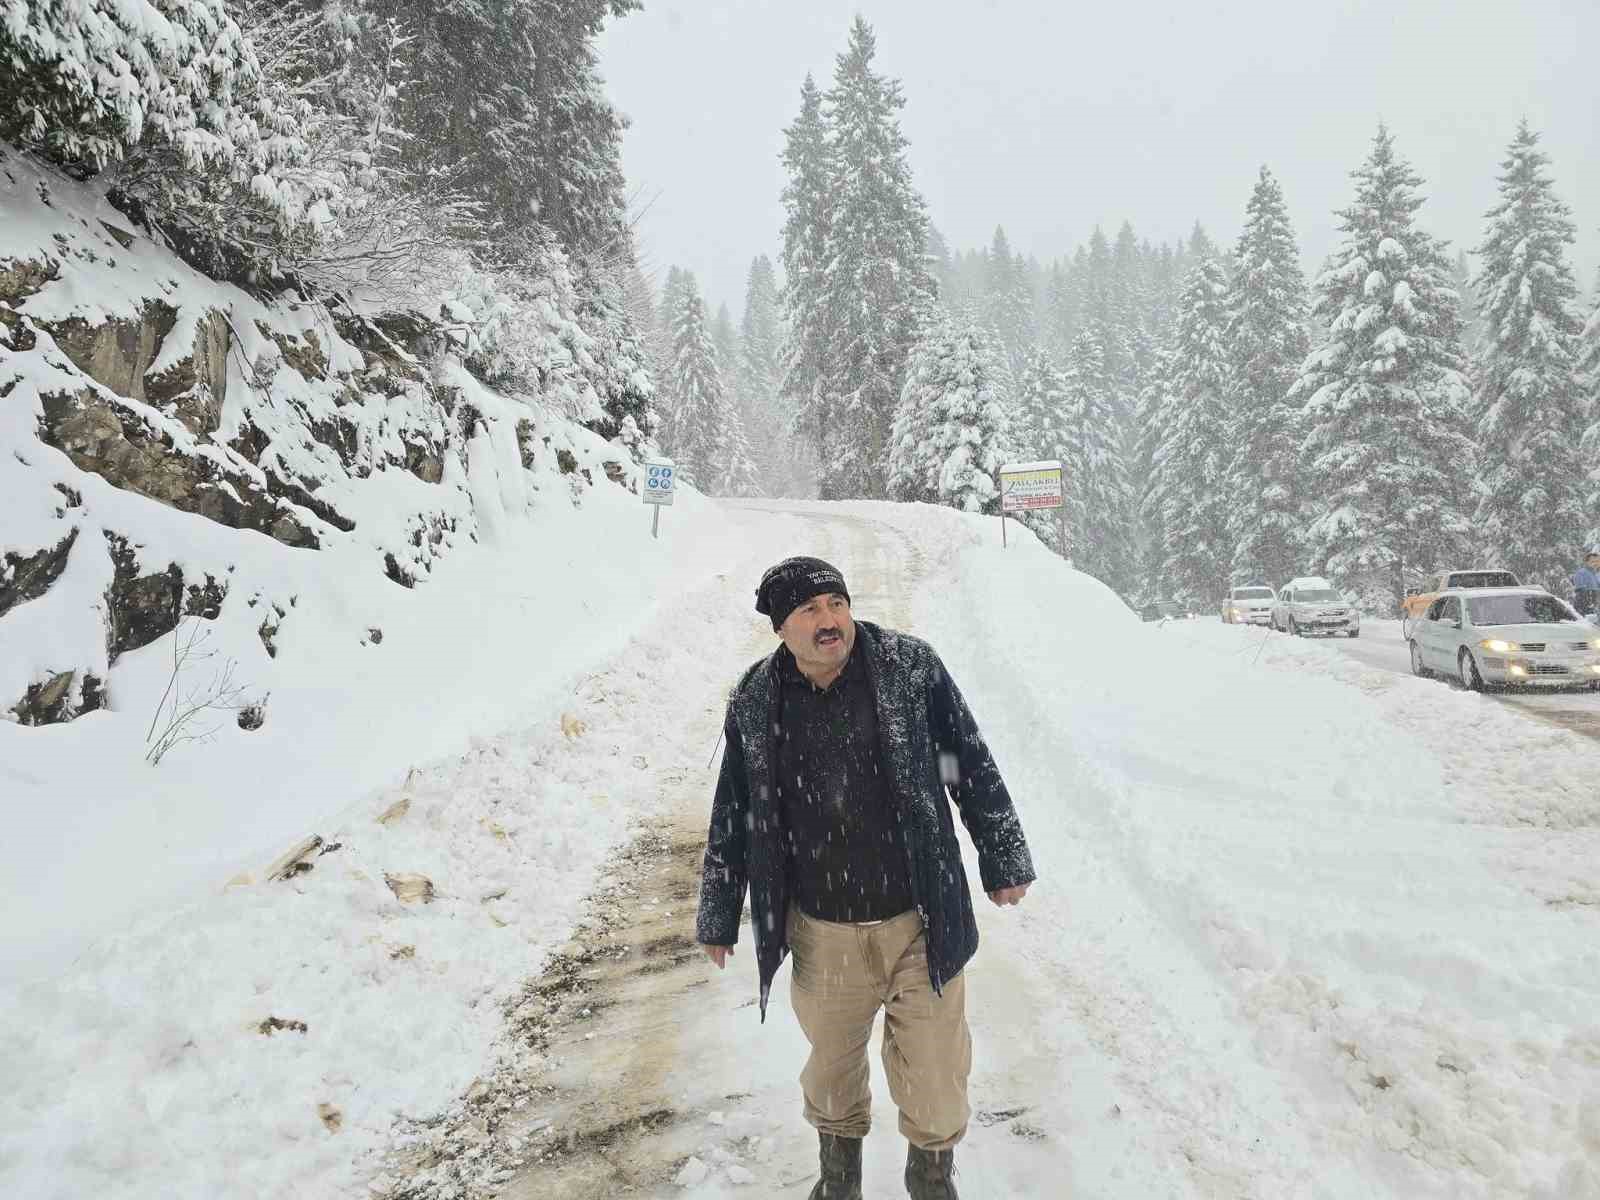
pixel 1312 605
pixel 1250 605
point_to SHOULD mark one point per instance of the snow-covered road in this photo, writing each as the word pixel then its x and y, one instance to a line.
pixel 1306 927
pixel 1270 954
pixel 1381 645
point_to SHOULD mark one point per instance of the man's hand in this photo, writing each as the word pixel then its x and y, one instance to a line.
pixel 718 954
pixel 1003 897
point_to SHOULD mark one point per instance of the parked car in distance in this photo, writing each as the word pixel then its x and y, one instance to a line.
pixel 1418 599
pixel 1312 605
pixel 1162 610
pixel 1248 605
pixel 1521 637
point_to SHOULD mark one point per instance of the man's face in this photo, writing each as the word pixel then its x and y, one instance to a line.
pixel 820 632
pixel 1593 562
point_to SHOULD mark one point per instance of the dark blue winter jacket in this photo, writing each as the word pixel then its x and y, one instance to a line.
pixel 928 739
pixel 1586 589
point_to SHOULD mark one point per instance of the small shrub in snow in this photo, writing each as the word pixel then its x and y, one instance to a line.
pixel 185 713
pixel 253 715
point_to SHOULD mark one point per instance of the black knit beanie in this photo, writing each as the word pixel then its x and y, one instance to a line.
pixel 792 582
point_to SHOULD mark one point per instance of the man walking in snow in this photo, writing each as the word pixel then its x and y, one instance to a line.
pixel 845 746
pixel 1586 585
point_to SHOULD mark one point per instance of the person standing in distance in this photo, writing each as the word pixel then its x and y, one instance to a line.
pixel 1586 585
pixel 845 747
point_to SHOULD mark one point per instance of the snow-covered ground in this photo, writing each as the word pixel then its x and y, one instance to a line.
pixel 1305 927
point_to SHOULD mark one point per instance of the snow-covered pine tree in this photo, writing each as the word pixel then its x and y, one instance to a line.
pixel 1095 476
pixel 950 430
pixel 1188 470
pixel 1530 410
pixel 911 466
pixel 971 433
pixel 1150 552
pixel 1589 382
pixel 643 311
pixel 808 208
pixel 1042 429
pixel 1386 457
pixel 761 335
pixel 941 266
pixel 1007 302
pixel 508 100
pixel 730 359
pixel 1268 341
pixel 1130 308
pixel 619 362
pixel 663 347
pixel 1467 304
pixel 693 433
pixel 1059 319
pixel 877 288
pixel 204 142
pixel 736 462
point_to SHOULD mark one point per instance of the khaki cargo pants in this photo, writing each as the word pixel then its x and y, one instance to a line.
pixel 842 975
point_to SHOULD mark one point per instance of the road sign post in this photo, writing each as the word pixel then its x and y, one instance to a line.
pixel 660 483
pixel 1025 487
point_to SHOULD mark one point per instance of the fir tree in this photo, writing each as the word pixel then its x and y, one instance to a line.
pixel 623 371
pixel 808 208
pixel 912 467
pixel 1190 461
pixel 508 100
pixel 782 459
pixel 1530 410
pixel 1151 543
pixel 941 266
pixel 1268 341
pixel 1008 303
pixel 1059 319
pixel 1095 476
pixel 951 425
pixel 1467 304
pixel 736 462
pixel 729 358
pixel 877 289
pixel 761 335
pixel 1589 381
pixel 1041 427
pixel 1384 396
pixel 694 431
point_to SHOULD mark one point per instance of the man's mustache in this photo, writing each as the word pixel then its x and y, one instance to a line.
pixel 822 633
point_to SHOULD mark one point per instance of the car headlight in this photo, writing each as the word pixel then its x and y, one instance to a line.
pixel 1594 644
pixel 1497 646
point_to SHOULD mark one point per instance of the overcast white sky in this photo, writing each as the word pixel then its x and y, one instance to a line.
pixel 1049 117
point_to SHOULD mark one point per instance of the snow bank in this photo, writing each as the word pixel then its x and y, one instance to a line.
pixel 1390 884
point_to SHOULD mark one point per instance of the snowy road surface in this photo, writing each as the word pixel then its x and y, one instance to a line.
pixel 1305 927
pixel 1381 645
pixel 1226 982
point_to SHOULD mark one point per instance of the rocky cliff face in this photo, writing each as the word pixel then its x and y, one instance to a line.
pixel 167 441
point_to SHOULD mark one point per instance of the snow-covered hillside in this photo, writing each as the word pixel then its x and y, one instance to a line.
pixel 366 543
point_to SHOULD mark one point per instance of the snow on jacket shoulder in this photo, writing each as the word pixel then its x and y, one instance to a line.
pixel 933 753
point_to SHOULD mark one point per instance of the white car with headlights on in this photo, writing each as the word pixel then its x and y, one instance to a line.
pixel 1248 605
pixel 1521 637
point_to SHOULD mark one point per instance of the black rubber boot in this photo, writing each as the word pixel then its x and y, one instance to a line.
pixel 841 1169
pixel 930 1174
